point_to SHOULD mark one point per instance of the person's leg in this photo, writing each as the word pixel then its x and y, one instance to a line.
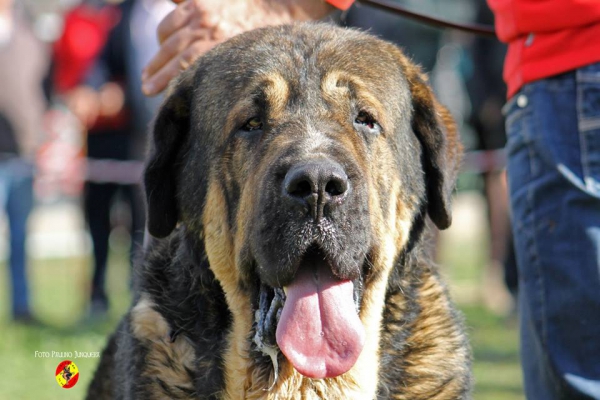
pixel 554 179
pixel 495 293
pixel 19 203
pixel 97 203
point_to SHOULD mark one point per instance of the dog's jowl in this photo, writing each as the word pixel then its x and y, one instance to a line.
pixel 291 173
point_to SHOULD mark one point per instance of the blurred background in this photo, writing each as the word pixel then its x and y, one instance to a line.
pixel 73 126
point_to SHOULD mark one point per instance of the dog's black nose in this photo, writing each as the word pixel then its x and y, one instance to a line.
pixel 319 184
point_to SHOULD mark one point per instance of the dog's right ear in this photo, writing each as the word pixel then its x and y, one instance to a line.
pixel 436 130
pixel 170 129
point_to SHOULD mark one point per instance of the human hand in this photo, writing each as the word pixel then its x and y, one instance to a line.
pixel 196 26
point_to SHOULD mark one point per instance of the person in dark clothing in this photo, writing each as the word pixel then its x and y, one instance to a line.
pixel 115 145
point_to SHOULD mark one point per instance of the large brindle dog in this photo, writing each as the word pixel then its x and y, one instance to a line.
pixel 291 174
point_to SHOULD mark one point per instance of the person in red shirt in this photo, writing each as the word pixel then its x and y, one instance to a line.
pixel 546 38
pixel 552 70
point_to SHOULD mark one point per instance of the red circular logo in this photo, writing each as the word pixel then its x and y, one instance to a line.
pixel 67 374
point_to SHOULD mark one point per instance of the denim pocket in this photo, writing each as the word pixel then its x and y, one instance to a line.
pixel 588 81
pixel 519 145
pixel 588 120
pixel 516 107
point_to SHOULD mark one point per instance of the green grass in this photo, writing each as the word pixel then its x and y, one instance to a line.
pixel 60 290
pixel 495 347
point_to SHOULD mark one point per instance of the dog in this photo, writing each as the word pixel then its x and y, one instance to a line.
pixel 291 175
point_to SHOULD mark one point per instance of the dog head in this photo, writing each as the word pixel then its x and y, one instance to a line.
pixel 305 157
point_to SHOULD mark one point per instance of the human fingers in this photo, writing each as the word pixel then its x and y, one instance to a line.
pixel 175 20
pixel 160 80
pixel 173 46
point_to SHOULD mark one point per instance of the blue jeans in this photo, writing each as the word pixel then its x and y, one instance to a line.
pixel 16 197
pixel 553 128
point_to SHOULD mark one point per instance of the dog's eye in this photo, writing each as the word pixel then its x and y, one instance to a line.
pixel 365 119
pixel 253 124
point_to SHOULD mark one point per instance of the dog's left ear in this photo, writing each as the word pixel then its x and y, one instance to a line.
pixel 436 130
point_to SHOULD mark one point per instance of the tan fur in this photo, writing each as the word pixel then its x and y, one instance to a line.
pixel 150 328
pixel 220 251
pixel 277 93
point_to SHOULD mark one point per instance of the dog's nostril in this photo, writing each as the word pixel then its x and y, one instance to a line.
pixel 300 188
pixel 336 187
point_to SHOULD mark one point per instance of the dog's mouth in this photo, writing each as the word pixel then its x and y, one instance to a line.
pixel 314 320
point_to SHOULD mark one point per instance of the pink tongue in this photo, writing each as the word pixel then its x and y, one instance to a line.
pixel 319 330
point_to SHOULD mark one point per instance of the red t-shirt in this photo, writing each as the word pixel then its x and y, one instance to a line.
pixel 545 37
